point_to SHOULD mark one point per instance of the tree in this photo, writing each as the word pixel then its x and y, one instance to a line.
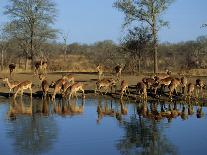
pixel 30 22
pixel 3 45
pixel 135 42
pixel 147 12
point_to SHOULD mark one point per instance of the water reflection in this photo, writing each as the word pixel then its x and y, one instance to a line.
pixel 158 111
pixel 143 134
pixel 107 107
pixel 68 108
pixel 33 134
pixel 33 126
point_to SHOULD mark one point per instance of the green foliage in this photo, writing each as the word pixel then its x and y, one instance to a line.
pixel 137 39
pixel 143 11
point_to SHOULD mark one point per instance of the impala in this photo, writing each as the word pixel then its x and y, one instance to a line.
pixel 118 70
pixel 44 84
pixel 190 89
pixel 142 90
pixel 173 86
pixel 40 65
pixel 58 86
pixel 11 85
pixel 22 86
pixel 105 83
pixel 11 68
pixel 184 82
pixel 99 68
pixel 124 88
pixel 73 89
pixel 69 78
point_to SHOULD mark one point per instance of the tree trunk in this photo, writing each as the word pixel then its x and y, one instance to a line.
pixel 26 62
pixel 2 59
pixel 139 62
pixel 31 46
pixel 139 65
pixel 155 59
pixel 19 62
pixel 154 36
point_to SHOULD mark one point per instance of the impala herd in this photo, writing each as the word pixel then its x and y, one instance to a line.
pixel 67 86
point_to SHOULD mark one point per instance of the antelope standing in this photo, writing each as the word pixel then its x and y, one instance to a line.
pixel 99 68
pixel 199 85
pixel 22 86
pixel 40 65
pixel 44 84
pixel 11 85
pixel 124 88
pixel 69 78
pixel 11 68
pixel 184 82
pixel 118 70
pixel 142 90
pixel 173 86
pixel 190 89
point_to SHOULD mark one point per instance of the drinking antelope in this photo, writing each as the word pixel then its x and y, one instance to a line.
pixel 164 82
pixel 22 86
pixel 105 83
pixel 74 88
pixel 11 68
pixel 148 81
pixel 11 85
pixel 100 69
pixel 58 86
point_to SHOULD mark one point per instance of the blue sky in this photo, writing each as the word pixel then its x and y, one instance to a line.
pixel 88 21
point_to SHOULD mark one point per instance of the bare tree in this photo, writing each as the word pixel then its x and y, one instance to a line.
pixel 30 22
pixel 147 12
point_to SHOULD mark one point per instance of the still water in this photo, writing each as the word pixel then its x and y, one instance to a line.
pixel 101 126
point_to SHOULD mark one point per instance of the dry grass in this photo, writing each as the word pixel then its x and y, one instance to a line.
pixel 72 63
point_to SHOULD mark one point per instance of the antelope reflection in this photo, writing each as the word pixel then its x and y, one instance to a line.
pixel 63 107
pixel 155 111
pixel 19 107
pixel 107 109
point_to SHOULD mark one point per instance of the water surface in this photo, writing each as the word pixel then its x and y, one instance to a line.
pixel 101 126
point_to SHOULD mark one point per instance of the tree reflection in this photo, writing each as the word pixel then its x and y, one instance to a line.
pixel 33 134
pixel 144 135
